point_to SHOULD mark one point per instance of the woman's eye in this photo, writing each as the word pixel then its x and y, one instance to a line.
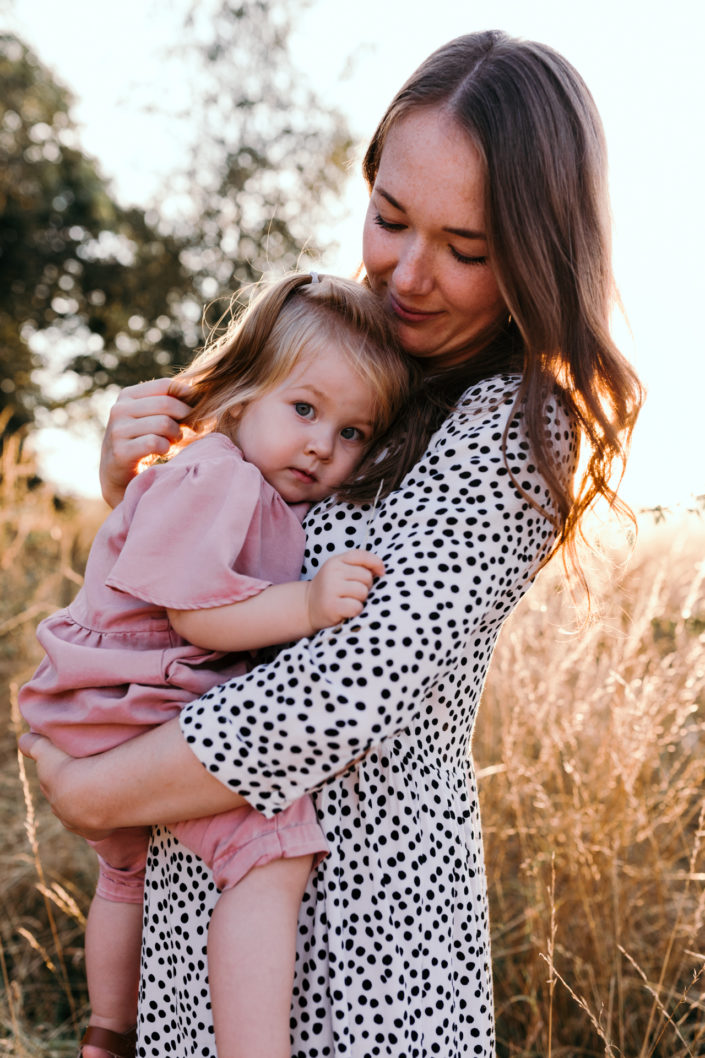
pixel 387 225
pixel 303 409
pixel 351 433
pixel 467 260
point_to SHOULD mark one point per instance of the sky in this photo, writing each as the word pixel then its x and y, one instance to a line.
pixel 642 61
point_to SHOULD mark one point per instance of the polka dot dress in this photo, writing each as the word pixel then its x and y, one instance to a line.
pixel 393 950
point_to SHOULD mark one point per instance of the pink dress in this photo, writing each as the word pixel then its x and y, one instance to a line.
pixel 203 530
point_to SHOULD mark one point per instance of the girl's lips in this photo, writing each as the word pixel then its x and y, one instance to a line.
pixel 409 315
pixel 303 475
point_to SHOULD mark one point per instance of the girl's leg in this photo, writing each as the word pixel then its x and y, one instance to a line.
pixel 113 938
pixel 251 952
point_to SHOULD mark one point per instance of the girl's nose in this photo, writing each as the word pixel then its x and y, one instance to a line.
pixel 320 441
pixel 413 271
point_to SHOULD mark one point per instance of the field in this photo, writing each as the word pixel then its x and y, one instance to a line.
pixel 590 750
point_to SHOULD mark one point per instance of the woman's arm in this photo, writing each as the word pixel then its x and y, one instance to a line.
pixel 460 544
pixel 284 612
pixel 154 778
pixel 143 421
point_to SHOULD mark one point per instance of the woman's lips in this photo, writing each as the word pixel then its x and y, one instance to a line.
pixel 408 314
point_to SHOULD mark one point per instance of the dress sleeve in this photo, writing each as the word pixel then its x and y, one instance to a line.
pixel 187 531
pixel 460 545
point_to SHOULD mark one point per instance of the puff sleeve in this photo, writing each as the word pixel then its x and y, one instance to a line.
pixel 204 530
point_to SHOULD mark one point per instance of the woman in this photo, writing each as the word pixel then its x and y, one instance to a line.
pixel 487 239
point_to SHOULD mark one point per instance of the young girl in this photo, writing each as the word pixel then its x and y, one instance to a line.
pixel 201 559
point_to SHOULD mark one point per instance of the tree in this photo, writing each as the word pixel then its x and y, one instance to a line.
pixel 120 292
pixel 75 268
pixel 266 162
pixel 269 157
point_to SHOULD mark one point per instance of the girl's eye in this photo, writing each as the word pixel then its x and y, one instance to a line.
pixel 467 260
pixel 387 225
pixel 351 433
pixel 303 409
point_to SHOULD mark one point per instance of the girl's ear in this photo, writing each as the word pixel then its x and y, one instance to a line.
pixel 230 420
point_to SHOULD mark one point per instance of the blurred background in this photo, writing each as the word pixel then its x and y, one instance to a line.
pixel 156 155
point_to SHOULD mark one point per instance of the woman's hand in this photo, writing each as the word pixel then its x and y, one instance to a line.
pixel 59 780
pixel 153 778
pixel 143 421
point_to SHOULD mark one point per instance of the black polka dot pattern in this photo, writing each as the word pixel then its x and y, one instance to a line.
pixel 393 950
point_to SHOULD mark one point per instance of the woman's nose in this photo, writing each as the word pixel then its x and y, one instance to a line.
pixel 413 271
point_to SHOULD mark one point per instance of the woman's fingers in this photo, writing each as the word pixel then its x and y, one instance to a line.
pixel 49 761
pixel 27 744
pixel 143 421
pixel 143 429
pixel 48 758
pixel 147 412
pixel 53 771
pixel 180 389
pixel 155 387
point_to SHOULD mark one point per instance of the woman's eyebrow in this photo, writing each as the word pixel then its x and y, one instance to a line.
pixel 464 233
pixel 390 199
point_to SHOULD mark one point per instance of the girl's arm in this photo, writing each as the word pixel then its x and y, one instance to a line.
pixel 284 612
pixel 143 421
pixel 155 778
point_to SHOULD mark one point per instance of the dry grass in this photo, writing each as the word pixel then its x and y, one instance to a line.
pixel 46 874
pixel 591 754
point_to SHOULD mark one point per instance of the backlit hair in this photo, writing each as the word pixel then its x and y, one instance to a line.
pixel 542 147
pixel 263 343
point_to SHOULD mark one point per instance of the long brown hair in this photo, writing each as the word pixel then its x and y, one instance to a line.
pixel 540 138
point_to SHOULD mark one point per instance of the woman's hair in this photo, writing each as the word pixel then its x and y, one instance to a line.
pixel 263 343
pixel 541 143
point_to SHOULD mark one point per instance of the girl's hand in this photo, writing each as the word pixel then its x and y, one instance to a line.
pixel 59 780
pixel 341 586
pixel 143 421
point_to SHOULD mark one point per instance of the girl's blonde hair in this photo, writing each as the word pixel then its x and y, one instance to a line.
pixel 535 124
pixel 263 343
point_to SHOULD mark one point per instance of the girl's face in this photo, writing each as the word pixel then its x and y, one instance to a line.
pixel 424 239
pixel 309 434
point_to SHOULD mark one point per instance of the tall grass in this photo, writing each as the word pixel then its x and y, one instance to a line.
pixel 45 873
pixel 591 754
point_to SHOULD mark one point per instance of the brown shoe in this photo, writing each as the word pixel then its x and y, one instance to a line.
pixel 117 1044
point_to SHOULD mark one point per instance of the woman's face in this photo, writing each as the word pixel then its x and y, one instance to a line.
pixel 424 240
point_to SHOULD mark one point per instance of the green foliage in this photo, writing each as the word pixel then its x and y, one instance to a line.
pixel 92 294
pixel 74 266
pixel 269 155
